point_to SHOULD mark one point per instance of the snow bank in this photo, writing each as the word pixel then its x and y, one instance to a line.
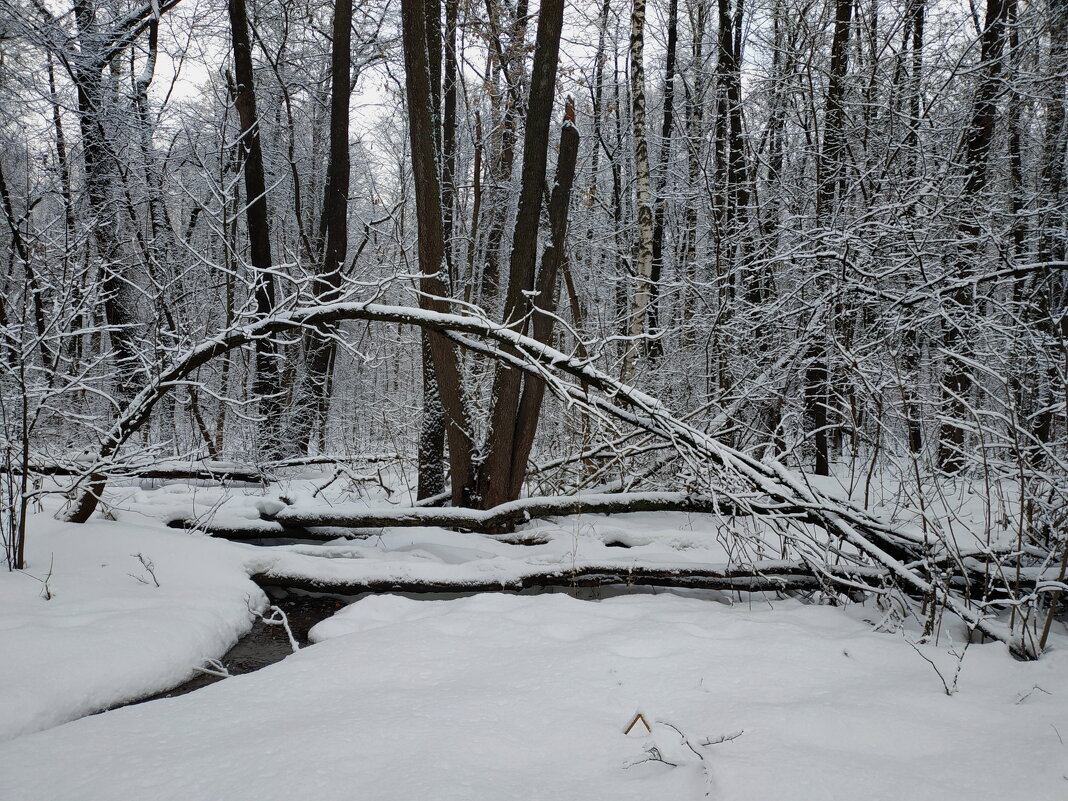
pixel 498 696
pixel 104 636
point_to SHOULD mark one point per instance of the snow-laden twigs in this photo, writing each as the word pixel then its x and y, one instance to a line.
pixel 213 667
pixel 764 487
pixel 949 686
pixel 278 618
pixel 683 751
pixel 723 738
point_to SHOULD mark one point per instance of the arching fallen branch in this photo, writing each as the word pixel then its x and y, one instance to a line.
pixel 766 488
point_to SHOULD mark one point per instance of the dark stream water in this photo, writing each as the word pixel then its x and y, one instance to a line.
pixel 264 644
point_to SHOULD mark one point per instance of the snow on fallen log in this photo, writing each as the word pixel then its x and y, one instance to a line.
pixel 321 522
pixel 763 577
pixel 505 515
pixel 192 469
pixel 169 470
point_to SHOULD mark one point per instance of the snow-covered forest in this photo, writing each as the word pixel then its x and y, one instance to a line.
pixel 625 398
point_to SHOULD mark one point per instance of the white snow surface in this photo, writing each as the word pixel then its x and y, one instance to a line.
pixel 104 636
pixel 494 696
pixel 657 540
pixel 500 696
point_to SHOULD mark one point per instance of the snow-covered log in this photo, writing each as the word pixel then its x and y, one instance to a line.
pixel 304 522
pixel 199 470
pixel 505 515
pixel 772 577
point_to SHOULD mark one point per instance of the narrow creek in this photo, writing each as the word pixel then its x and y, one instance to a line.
pixel 264 644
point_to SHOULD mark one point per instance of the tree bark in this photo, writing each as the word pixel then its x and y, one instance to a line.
pixel 265 385
pixel 783 579
pixel 643 272
pixel 663 166
pixel 552 261
pixel 495 479
pixel 431 245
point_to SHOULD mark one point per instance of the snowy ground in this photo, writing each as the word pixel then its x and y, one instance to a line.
pixel 80 629
pixel 494 696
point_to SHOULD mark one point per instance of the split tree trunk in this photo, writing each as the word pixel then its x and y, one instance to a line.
pixel 552 263
pixel 495 480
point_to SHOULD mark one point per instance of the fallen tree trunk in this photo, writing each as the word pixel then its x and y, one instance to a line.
pixel 257 531
pixel 312 461
pixel 506 514
pixel 202 470
pixel 331 522
pixel 777 577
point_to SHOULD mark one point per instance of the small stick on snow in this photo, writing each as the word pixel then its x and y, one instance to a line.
pixel 724 738
pixel 1024 696
pixel 652 754
pixel 148 565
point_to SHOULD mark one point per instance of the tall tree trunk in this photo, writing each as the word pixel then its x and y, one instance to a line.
pixel 914 22
pixel 975 149
pixel 448 138
pixel 33 285
pixel 597 120
pixel 732 164
pixel 828 193
pixel 62 159
pixel 510 65
pixel 695 124
pixel 622 246
pixel 320 348
pixel 161 236
pixel 1053 230
pixel 431 243
pixel 1048 309
pixel 119 297
pixel 265 385
pixel 643 267
pixel 663 166
pixel 495 480
pixel 431 476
